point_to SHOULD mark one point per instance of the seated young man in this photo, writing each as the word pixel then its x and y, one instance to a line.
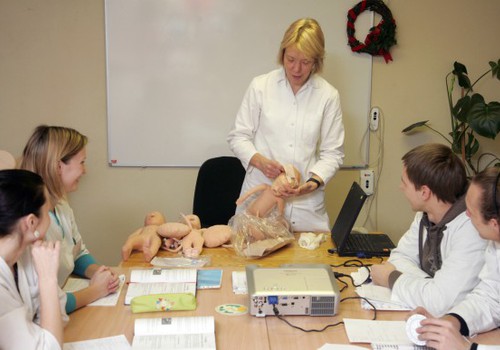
pixel 480 311
pixel 438 260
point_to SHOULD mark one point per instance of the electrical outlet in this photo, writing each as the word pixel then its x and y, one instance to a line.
pixel 374 118
pixel 367 180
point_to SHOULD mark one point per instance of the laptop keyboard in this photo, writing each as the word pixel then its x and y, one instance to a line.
pixel 359 242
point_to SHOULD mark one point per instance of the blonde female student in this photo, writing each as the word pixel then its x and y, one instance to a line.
pixel 31 303
pixel 480 311
pixel 58 155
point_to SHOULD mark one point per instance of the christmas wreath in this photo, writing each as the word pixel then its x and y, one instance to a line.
pixel 381 37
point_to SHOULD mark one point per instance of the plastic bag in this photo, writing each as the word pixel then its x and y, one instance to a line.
pixel 255 237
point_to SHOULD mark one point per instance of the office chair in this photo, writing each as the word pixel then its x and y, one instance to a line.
pixel 218 186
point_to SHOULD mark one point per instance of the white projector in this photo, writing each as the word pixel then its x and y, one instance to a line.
pixel 301 289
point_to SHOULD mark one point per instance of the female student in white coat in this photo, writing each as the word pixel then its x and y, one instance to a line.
pixel 32 304
pixel 58 155
pixel 480 311
pixel 291 115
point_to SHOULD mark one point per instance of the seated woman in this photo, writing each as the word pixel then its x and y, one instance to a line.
pixel 32 313
pixel 58 155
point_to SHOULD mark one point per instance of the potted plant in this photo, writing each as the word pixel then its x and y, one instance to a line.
pixel 470 116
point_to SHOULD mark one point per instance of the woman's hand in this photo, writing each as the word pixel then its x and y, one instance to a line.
pixel 104 282
pixel 46 258
pixel 270 168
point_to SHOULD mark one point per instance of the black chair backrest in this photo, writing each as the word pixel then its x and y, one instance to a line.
pixel 218 186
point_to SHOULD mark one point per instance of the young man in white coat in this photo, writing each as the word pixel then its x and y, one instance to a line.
pixel 438 260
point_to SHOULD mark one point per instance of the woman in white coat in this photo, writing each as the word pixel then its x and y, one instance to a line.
pixel 291 115
pixel 480 311
pixel 32 304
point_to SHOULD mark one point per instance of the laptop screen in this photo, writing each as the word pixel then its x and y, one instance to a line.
pixel 348 215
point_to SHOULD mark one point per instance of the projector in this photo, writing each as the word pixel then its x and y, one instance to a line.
pixel 292 289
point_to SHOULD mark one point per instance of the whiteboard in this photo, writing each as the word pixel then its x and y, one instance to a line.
pixel 177 71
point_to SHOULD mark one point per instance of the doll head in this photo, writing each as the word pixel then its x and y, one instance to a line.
pixel 154 218
pixel 291 177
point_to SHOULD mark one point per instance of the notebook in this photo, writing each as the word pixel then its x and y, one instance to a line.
pixel 357 244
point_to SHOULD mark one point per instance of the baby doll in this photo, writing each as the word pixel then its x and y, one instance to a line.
pixel 267 200
pixel 145 239
pixel 266 210
pixel 216 235
pixel 173 233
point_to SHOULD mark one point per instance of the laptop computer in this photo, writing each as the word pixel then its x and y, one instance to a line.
pixel 360 245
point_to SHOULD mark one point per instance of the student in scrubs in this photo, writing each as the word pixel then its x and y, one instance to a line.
pixel 32 304
pixel 58 155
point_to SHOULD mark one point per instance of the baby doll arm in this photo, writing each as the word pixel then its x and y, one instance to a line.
pixel 247 194
pixel 134 241
pixel 145 239
pixel 173 230
pixel 192 221
pixel 192 244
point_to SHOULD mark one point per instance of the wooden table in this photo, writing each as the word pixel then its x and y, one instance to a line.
pixel 290 254
pixel 245 331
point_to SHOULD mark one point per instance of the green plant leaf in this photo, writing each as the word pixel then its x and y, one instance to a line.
pixel 414 125
pixel 471 144
pixel 495 69
pixel 461 73
pixel 484 119
pixel 461 108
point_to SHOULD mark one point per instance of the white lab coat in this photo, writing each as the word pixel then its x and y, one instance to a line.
pixel 305 130
pixel 19 310
pixel 481 309
pixel 462 252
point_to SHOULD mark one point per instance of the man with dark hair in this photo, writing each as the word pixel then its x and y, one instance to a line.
pixel 437 261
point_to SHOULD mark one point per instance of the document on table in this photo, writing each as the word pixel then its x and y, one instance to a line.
pixel 197 332
pixel 160 281
pixel 377 332
pixel 239 282
pixel 163 275
pixel 118 342
pixel 139 289
pixel 76 284
pixel 399 347
pixel 379 296
pixel 340 347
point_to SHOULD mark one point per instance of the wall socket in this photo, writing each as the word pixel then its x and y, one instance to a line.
pixel 374 118
pixel 367 180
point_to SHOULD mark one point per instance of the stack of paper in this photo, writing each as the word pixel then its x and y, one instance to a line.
pixel 239 282
pixel 379 296
pixel 196 332
pixel 160 281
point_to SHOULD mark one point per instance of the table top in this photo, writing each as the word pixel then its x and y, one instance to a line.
pixel 289 254
pixel 243 331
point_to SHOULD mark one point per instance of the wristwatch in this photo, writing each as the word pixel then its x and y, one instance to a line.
pixel 312 179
